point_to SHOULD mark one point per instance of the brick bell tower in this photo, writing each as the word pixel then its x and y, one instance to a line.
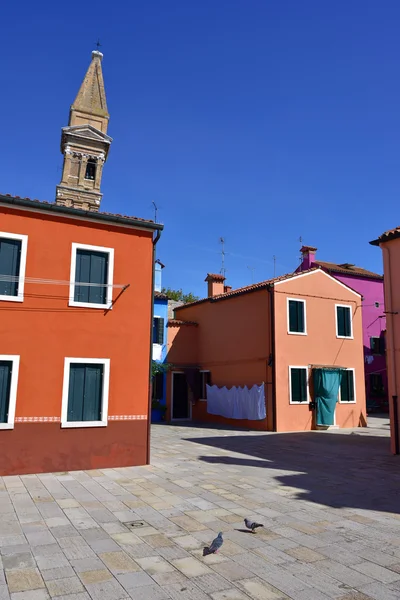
pixel 85 143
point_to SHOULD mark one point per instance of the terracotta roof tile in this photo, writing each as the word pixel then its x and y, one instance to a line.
pixel 247 289
pixel 178 323
pixel 390 234
pixel 347 269
pixel 215 277
pixel 84 213
pixel 160 296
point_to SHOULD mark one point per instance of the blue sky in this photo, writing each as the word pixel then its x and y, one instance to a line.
pixel 257 120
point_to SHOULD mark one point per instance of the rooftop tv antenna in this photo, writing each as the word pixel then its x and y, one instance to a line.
pixel 274 259
pixel 222 242
pixel 155 211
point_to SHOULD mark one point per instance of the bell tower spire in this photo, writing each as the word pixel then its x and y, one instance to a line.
pixel 85 143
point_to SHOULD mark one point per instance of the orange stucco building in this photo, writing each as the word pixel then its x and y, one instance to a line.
pixel 76 314
pixel 389 242
pixel 286 333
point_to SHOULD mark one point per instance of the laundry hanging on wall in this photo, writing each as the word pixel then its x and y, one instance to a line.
pixel 237 402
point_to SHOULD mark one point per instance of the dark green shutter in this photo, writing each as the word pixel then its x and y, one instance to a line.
pixel 85 392
pixel 5 386
pixel 10 260
pixel 91 267
pixel 296 316
pixel 76 392
pixel 93 393
pixel 299 385
pixel 158 330
pixel 347 387
pixel 343 321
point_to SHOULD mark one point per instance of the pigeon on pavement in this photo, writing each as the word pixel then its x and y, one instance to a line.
pixel 214 546
pixel 252 525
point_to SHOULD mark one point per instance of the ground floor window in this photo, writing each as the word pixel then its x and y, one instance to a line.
pixel 205 380
pixel 9 367
pixel 158 387
pixel 298 384
pixel 347 389
pixel 376 384
pixel 85 392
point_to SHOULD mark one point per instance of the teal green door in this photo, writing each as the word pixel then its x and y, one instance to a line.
pixel 326 390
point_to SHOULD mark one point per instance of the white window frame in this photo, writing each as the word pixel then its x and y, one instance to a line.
pixel 22 266
pixel 344 337
pixel 354 389
pixel 305 316
pixel 105 392
pixel 203 371
pixel 12 402
pixel 305 368
pixel 110 276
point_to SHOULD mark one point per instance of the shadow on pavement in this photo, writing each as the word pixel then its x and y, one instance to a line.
pixel 337 470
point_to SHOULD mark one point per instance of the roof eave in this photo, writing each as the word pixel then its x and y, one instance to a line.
pixel 80 214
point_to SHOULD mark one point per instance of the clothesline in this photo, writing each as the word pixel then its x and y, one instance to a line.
pixel 38 280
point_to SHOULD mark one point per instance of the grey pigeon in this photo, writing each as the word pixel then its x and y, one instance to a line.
pixel 214 546
pixel 252 525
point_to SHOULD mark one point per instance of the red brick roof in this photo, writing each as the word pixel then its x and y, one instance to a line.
pixel 84 214
pixel 178 323
pixel 160 296
pixel 247 289
pixel 215 277
pixel 390 234
pixel 347 269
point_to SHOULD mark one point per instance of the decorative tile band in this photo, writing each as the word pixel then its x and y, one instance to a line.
pixel 38 419
pixel 58 419
pixel 127 418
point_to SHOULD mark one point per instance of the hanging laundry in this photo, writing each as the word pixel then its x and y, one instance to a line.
pixel 237 402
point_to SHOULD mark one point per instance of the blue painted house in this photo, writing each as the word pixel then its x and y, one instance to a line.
pixel 160 320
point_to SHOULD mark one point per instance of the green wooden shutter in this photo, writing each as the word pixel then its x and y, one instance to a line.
pixel 160 331
pixel 10 260
pixel 296 316
pixel 299 385
pixel 155 329
pixel 91 267
pixel 98 274
pixel 5 385
pixel 347 387
pixel 292 316
pixel 343 321
pixel 76 392
pixel 92 400
pixel 347 321
pixel 340 320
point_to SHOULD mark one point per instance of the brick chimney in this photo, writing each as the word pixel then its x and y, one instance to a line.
pixel 308 256
pixel 227 289
pixel 215 284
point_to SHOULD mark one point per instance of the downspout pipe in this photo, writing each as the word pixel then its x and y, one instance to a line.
pixel 273 366
pixel 389 315
pixel 155 240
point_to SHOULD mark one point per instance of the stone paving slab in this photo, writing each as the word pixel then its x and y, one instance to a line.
pixel 328 502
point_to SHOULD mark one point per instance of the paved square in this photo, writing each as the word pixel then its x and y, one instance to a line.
pixel 329 501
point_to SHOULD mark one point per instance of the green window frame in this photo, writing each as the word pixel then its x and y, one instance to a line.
pixel 85 392
pixel 344 327
pixel 298 385
pixel 296 316
pixel 347 386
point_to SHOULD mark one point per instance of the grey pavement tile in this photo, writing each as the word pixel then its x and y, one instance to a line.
pixel 377 572
pixel 45 550
pixel 4 594
pixel 378 591
pixel 63 587
pixel 57 573
pixel 150 592
pixel 131 581
pixel 87 564
pixel 104 545
pixel 18 561
pixel 211 582
pixel 107 590
pixel 40 538
pixel 342 573
pixel 52 561
pixel 31 595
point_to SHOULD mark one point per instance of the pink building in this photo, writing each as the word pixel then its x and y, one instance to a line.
pixel 370 286
pixel 390 244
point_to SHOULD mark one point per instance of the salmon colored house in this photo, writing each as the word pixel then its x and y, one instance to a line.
pixel 389 242
pixel 76 315
pixel 298 338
